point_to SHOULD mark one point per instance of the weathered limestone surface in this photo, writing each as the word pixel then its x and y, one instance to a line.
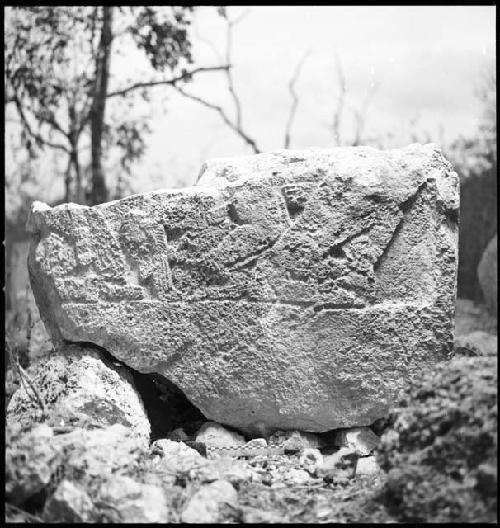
pixel 290 290
pixel 78 386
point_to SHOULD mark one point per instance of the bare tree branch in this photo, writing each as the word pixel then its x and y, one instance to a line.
pixel 206 41
pixel 173 81
pixel 50 120
pixel 337 116
pixel 295 99
pixel 26 381
pixel 224 116
pixel 35 135
pixel 229 45
pixel 235 125
pixel 360 115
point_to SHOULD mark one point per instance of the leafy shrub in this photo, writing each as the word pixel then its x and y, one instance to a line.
pixel 440 450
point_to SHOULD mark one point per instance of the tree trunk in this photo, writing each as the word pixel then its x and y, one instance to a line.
pixel 98 192
pixel 79 197
pixel 73 156
pixel 67 182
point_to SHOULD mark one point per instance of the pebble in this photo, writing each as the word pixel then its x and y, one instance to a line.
pixel 214 434
pixel 339 464
pixel 169 448
pixel 267 479
pixel 311 459
pixel 178 435
pixel 257 442
pixel 255 516
pixel 367 466
pixel 69 504
pixel 295 441
pixel 299 477
pixel 204 505
pixel 360 439
pixel 177 457
pixel 134 502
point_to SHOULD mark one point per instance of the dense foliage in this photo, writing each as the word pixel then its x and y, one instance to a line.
pixel 440 450
pixel 58 74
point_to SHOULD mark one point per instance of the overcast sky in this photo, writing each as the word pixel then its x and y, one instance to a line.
pixel 424 61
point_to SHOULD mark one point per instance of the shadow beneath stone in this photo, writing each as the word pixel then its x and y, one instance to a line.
pixel 166 405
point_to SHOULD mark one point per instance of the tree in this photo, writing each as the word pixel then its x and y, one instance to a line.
pixel 476 154
pixel 236 123
pixel 359 114
pixel 97 112
pixel 58 73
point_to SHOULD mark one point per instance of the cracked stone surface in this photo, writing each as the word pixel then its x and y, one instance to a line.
pixel 289 290
pixel 78 386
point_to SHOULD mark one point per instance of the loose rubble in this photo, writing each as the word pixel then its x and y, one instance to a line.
pixel 128 501
pixel 441 447
pixel 99 451
pixel 362 440
pixel 213 434
pixel 68 504
pixel 367 465
pixel 78 386
pixel 204 506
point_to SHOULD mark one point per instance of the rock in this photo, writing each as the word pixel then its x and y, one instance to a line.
pixel 227 287
pixel 311 459
pixel 487 275
pixel 124 500
pixel 298 477
pixel 442 434
pixel 476 343
pixel 256 476
pixel 267 479
pixel 178 457
pixel 78 387
pixel 362 440
pixel 234 471
pixel 256 516
pixel 215 435
pixel 486 480
pixel 204 506
pixel 295 441
pixel 238 473
pixel 168 448
pixel 340 464
pixel 367 465
pixel 256 442
pixel 37 458
pixel 31 457
pixel 100 452
pixel 69 504
pixel 178 435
